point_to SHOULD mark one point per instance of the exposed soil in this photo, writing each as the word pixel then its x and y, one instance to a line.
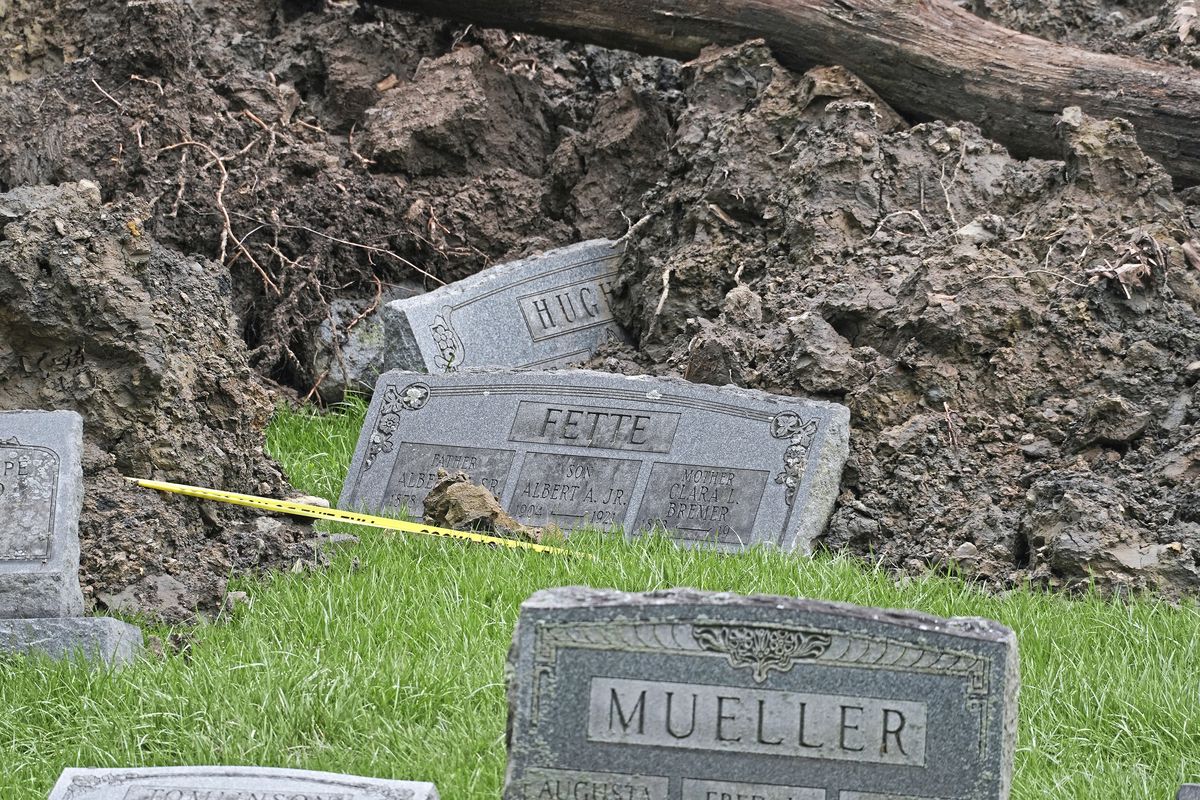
pixel 1018 341
pixel 99 318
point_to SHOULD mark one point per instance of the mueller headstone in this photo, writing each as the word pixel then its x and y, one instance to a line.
pixel 723 466
pixel 683 695
pixel 551 310
pixel 230 783
pixel 41 494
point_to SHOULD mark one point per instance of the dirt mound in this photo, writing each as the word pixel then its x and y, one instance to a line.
pixel 1017 341
pixel 97 317
pixel 327 150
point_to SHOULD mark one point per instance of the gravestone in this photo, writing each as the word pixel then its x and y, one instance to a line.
pixel 723 466
pixel 1189 791
pixel 684 695
pixel 41 494
pixel 547 311
pixel 230 783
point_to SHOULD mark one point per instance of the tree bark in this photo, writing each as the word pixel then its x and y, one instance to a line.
pixel 928 58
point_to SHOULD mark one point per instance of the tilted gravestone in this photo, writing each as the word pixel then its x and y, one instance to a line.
pixel 230 783
pixel 41 494
pixel 551 310
pixel 724 466
pixel 684 695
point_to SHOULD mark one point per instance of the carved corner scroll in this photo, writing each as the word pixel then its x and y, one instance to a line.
pixel 395 402
pixel 800 433
pixel 451 350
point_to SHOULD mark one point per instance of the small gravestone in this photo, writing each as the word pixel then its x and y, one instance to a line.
pixel 41 494
pixel 1189 791
pixel 723 466
pixel 552 310
pixel 684 695
pixel 230 783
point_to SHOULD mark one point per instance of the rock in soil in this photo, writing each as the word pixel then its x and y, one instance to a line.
pixel 455 502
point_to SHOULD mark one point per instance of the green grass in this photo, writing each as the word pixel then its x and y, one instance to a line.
pixel 390 663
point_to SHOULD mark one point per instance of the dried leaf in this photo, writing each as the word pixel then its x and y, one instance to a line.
pixel 1185 18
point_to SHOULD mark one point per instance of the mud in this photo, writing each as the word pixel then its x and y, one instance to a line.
pixel 1018 340
pixel 99 318
pixel 354 149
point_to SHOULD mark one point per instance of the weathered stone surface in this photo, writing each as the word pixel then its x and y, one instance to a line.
pixel 1189 791
pixel 230 783
pixel 724 466
pixel 551 310
pixel 685 695
pixel 41 493
pixel 99 638
pixel 350 343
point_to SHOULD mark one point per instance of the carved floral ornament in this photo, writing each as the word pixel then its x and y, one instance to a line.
pixel 451 351
pixel 395 402
pixel 800 432
pixel 761 648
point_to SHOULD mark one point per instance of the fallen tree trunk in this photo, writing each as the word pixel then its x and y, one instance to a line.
pixel 928 58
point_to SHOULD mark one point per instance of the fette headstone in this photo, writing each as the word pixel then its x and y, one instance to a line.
pixel 230 783
pixel 683 695
pixel 41 494
pixel 547 311
pixel 724 466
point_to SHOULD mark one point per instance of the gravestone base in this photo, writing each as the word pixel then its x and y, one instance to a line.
pixel 100 638
pixel 30 595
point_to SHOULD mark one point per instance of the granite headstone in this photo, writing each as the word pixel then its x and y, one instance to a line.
pixel 41 494
pixel 684 695
pixel 1189 791
pixel 551 310
pixel 230 783
pixel 723 466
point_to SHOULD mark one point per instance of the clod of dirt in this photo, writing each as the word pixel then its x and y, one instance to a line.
pixel 455 502
pixel 97 317
pixel 1012 337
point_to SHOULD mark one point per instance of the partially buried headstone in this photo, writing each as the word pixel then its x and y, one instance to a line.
pixel 41 493
pixel 723 466
pixel 230 783
pixel 683 695
pixel 552 310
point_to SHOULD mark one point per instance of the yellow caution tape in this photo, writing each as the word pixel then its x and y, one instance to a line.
pixel 337 515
